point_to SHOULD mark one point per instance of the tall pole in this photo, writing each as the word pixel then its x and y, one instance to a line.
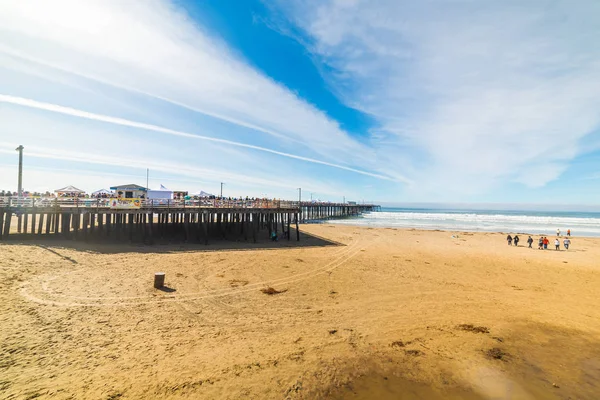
pixel 311 196
pixel 299 195
pixel 147 175
pixel 344 200
pixel 221 189
pixel 20 184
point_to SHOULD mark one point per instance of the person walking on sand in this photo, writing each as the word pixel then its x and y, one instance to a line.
pixel 556 244
pixel 546 241
pixel 558 232
pixel 568 232
pixel 530 241
pixel 509 239
pixel 567 243
pixel 540 243
pixel 516 240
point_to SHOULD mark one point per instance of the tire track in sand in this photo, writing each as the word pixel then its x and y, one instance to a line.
pixel 25 288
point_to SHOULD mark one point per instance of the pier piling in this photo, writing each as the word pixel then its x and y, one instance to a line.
pixel 175 221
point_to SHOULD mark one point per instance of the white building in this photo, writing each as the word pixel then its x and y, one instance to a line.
pixel 130 191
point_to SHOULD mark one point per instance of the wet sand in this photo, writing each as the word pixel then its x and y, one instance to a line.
pixel 363 313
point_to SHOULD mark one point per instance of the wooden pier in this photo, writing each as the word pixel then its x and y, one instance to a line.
pixel 310 212
pixel 167 220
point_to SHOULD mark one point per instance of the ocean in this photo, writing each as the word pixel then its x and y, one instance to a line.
pixel 539 223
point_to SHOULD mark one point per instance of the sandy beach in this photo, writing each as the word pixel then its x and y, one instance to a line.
pixel 362 313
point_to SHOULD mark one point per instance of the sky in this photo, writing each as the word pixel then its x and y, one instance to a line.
pixel 391 101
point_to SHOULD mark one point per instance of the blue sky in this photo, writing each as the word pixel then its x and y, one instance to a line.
pixel 458 101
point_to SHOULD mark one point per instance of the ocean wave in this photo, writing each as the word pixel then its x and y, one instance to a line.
pixel 472 221
pixel 473 217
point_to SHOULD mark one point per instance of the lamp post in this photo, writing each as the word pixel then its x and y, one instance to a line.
pixel 222 183
pixel 311 193
pixel 20 184
pixel 299 195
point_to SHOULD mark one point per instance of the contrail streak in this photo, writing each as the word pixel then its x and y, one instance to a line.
pixel 124 122
pixel 14 53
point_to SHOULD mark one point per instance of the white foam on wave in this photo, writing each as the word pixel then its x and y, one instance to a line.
pixel 541 224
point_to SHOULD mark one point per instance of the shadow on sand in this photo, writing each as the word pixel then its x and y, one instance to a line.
pixel 164 247
pixel 540 361
pixel 69 259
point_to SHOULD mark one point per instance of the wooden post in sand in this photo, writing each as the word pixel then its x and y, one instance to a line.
pixel 48 222
pixel 40 224
pixel 92 220
pixel 66 226
pixel 206 220
pixel 1 224
pixel 254 226
pixel 186 227
pixel 159 280
pixel 130 226
pixel 7 221
pixel 85 226
pixel 33 221
pixel 101 220
pixel 56 223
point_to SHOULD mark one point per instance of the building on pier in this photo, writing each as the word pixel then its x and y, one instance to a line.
pixel 130 191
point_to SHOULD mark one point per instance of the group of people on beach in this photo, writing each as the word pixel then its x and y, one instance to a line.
pixel 543 241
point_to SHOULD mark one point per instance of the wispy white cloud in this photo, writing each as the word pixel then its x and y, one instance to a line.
pixel 103 60
pixel 154 49
pixel 468 97
pixel 120 121
pixel 116 153
pixel 482 93
pixel 173 171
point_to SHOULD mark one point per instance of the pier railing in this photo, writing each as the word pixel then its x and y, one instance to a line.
pixel 76 202
pixel 82 202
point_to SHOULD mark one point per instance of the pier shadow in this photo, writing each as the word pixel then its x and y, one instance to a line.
pixel 167 289
pixel 165 246
pixel 58 254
